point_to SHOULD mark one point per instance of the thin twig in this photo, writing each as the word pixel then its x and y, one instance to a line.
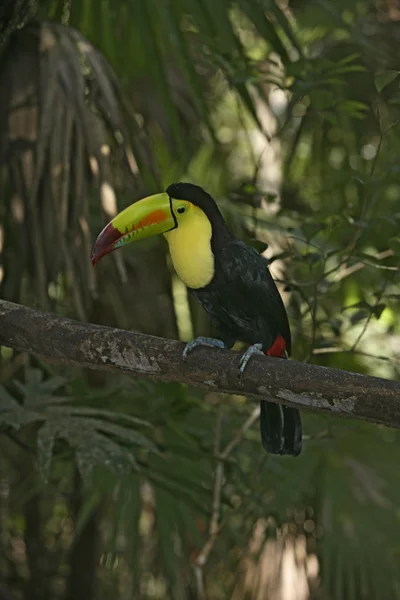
pixel 237 438
pixel 371 313
pixel 368 202
pixel 215 512
pixel 361 265
pixel 339 350
pixel 215 526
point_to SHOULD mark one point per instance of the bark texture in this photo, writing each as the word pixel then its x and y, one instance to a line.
pixel 60 340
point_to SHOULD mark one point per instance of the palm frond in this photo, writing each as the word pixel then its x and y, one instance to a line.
pixel 62 123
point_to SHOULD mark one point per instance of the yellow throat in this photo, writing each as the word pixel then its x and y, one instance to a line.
pixel 190 249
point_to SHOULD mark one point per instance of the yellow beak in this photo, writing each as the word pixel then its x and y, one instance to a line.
pixel 146 218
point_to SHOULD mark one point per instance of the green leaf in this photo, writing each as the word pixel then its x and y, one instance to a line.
pixel 89 506
pixel 257 245
pixel 182 51
pixel 310 230
pixel 124 434
pixel 166 530
pixel 384 78
pixel 85 411
pixel 394 244
pixel 12 413
pixel 268 31
pixel 96 450
pixel 378 310
pixel 7 402
pixel 354 108
pixel 358 316
pixel 45 443
pixel 285 24
pixel 37 391
pixel 152 45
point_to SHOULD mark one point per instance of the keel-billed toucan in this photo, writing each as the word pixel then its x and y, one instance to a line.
pixel 229 278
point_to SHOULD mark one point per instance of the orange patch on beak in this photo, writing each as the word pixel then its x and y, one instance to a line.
pixel 157 216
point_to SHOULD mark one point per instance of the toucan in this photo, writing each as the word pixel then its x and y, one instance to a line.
pixel 229 278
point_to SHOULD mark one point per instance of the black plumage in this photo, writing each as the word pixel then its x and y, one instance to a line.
pixel 244 304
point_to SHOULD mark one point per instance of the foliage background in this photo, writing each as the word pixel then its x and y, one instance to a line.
pixel 288 114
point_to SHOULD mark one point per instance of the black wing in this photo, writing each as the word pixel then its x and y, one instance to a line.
pixel 243 297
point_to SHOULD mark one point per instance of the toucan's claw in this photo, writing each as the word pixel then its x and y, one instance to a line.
pixel 202 341
pixel 246 356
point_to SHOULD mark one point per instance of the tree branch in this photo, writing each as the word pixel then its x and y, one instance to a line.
pixel 60 340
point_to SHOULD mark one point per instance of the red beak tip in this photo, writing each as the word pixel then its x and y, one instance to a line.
pixel 104 243
pixel 94 257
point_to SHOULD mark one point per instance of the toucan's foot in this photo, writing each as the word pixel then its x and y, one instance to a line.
pixel 246 356
pixel 202 341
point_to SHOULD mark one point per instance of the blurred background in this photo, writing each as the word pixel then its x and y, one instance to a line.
pixel 287 112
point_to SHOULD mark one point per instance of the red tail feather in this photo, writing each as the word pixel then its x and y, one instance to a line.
pixel 278 347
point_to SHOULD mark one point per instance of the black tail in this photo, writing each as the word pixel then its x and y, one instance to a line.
pixel 281 431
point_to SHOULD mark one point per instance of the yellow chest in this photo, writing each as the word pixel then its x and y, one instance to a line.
pixel 190 249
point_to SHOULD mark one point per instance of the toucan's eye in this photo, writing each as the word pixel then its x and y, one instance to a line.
pixel 181 210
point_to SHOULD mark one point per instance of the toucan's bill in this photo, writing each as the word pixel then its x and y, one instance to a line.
pixel 145 218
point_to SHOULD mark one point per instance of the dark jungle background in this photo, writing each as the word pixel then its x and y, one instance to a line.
pixel 288 113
